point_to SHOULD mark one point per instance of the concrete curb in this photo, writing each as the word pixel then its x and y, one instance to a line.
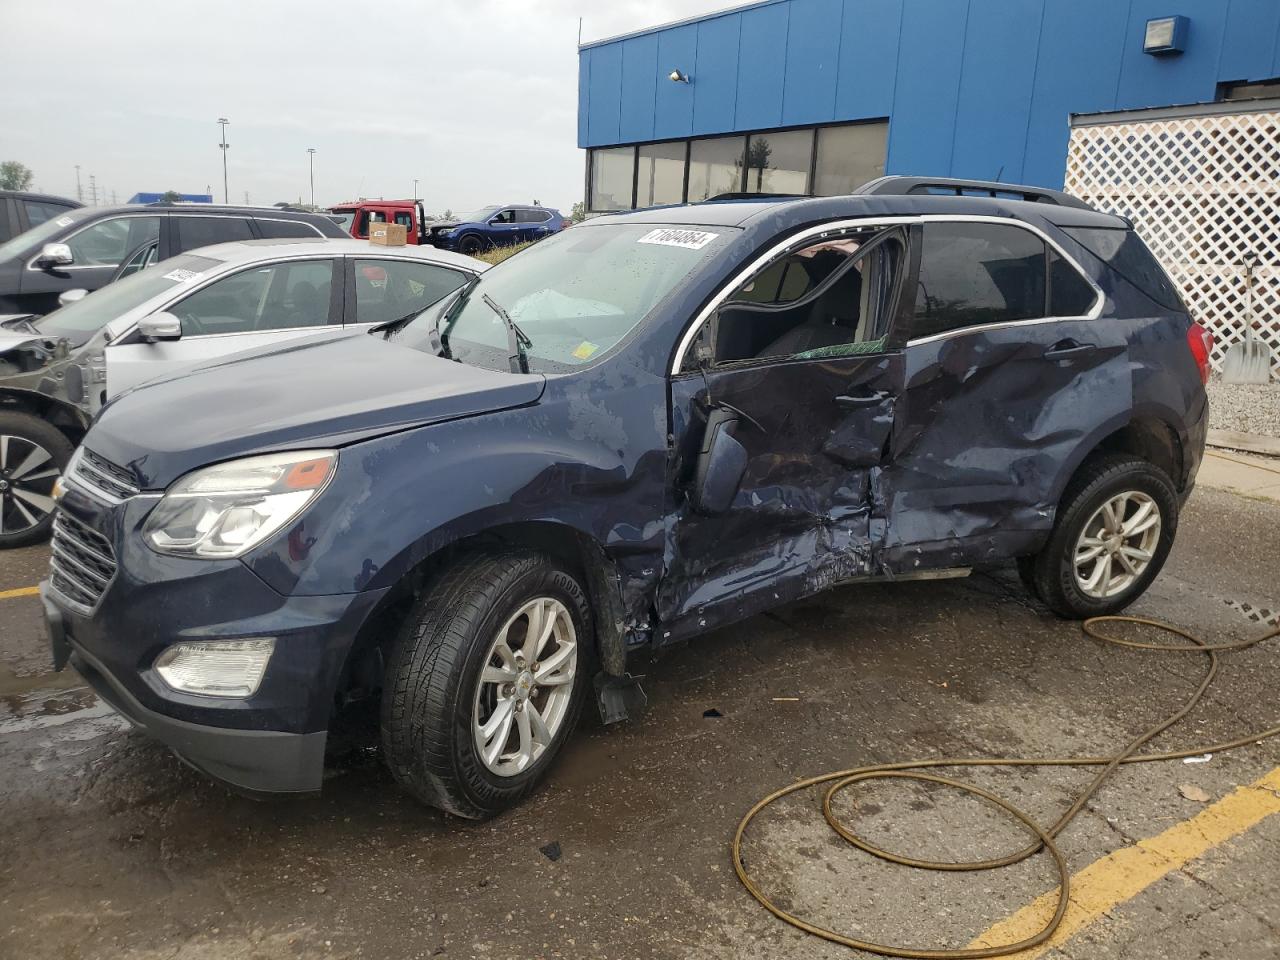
pixel 1253 442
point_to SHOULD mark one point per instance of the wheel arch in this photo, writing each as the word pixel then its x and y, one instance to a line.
pixel 70 420
pixel 579 551
pixel 1148 434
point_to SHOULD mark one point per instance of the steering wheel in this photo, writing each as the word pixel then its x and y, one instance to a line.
pixel 191 324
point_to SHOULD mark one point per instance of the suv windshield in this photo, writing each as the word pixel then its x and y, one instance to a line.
pixel 476 216
pixel 37 236
pixel 574 295
pixel 81 320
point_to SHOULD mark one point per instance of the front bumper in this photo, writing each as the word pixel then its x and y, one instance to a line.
pixel 270 742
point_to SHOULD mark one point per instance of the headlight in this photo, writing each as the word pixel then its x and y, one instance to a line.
pixel 216 668
pixel 226 510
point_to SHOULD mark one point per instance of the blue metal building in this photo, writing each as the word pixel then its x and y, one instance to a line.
pixel 817 96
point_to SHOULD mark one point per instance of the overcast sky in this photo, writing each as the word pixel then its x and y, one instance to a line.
pixel 475 98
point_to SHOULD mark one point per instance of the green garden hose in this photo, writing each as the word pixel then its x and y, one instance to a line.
pixel 1045 836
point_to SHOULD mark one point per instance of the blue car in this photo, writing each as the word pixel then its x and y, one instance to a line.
pixel 490 227
pixel 645 428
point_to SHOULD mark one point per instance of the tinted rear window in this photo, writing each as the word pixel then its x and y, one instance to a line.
pixel 287 228
pixel 1125 253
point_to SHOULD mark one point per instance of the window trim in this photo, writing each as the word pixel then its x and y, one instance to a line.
pixel 692 330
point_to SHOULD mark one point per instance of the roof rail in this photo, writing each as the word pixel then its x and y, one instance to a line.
pixel 899 186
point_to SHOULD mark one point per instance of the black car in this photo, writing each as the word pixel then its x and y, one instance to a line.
pixel 20 211
pixel 86 248
pixel 641 429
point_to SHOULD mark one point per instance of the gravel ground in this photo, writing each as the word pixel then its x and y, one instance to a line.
pixel 1250 408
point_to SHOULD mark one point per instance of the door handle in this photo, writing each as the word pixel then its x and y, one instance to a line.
pixel 1069 350
pixel 859 400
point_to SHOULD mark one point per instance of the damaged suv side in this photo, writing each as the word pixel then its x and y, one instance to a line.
pixel 639 430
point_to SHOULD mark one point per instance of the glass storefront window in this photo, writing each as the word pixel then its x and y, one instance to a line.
pixel 849 156
pixel 612 173
pixel 715 167
pixel 660 177
pixel 779 162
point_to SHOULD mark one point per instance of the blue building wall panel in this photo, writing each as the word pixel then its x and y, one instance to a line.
pixel 867 71
pixel 971 87
pixel 813 55
pixel 715 74
pixel 673 105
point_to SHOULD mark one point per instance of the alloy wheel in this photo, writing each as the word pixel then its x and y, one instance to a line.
pixel 1117 544
pixel 27 474
pixel 525 688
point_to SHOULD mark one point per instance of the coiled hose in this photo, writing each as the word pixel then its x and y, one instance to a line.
pixel 1045 836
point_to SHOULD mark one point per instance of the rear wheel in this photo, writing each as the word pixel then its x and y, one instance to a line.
pixel 487 682
pixel 1114 530
pixel 32 455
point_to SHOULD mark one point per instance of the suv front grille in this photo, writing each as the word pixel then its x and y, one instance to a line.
pixel 103 476
pixel 82 562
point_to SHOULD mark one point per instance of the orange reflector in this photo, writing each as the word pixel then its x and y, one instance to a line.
pixel 307 475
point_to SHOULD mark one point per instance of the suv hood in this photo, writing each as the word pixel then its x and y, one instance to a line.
pixel 316 392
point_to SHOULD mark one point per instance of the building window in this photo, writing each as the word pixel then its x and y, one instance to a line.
pixel 849 156
pixel 715 167
pixel 612 178
pixel 1261 90
pixel 660 173
pixel 779 162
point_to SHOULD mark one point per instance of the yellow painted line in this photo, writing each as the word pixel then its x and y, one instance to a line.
pixel 19 592
pixel 1120 876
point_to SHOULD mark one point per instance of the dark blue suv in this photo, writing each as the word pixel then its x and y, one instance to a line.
pixel 639 430
pixel 490 227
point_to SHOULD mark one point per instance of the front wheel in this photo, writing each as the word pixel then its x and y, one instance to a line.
pixel 32 454
pixel 487 682
pixel 1113 533
pixel 471 245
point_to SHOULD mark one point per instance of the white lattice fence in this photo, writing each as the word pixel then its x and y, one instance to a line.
pixel 1204 192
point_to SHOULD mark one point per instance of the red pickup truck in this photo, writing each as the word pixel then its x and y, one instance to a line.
pixel 358 214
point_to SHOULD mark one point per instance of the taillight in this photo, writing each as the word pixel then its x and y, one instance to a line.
pixel 1200 341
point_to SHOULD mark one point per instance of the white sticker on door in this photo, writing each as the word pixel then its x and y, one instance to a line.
pixel 670 237
pixel 65 221
pixel 180 275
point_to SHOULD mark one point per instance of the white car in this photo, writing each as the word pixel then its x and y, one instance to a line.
pixel 57 371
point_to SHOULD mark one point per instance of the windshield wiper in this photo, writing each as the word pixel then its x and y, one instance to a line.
pixel 439 337
pixel 517 342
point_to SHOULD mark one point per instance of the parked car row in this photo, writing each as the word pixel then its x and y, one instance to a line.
pixel 634 432
pixel 469 233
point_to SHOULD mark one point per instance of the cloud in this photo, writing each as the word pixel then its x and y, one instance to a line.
pixel 477 99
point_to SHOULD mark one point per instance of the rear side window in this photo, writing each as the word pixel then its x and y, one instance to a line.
pixel 532 216
pixel 1070 295
pixel 1125 253
pixel 201 231
pixel 38 211
pixel 287 228
pixel 978 273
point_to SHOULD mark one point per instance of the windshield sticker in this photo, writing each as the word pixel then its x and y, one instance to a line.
pixel 180 275
pixel 65 221
pixel 585 349
pixel 689 239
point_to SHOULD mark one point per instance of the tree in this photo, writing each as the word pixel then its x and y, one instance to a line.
pixel 15 176
pixel 171 196
pixel 578 213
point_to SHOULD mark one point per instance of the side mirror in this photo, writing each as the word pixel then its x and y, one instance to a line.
pixel 160 326
pixel 721 465
pixel 55 255
pixel 71 296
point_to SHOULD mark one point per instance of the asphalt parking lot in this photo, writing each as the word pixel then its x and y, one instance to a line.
pixel 109 847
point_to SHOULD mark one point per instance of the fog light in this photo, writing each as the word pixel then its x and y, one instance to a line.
pixel 216 668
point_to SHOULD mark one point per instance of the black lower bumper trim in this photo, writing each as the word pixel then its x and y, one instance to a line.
pixel 255 762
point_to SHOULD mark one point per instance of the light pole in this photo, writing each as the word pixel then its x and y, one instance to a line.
pixel 93 188
pixel 79 189
pixel 222 125
pixel 311 158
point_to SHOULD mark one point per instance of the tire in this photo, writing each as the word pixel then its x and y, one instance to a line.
pixel 434 698
pixel 1117 570
pixel 471 245
pixel 33 453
